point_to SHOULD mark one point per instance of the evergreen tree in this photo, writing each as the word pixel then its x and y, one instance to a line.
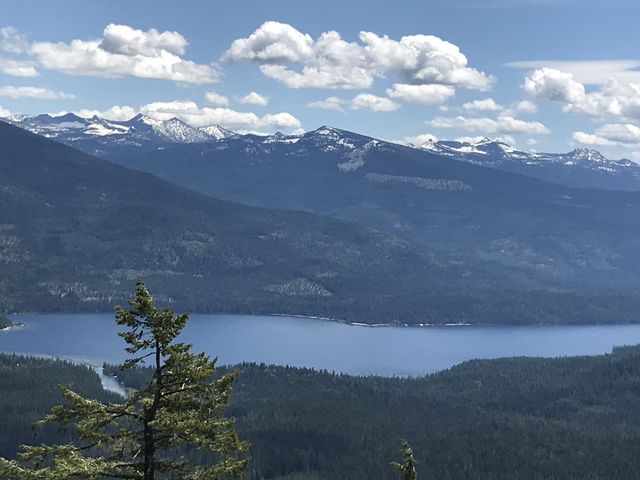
pixel 179 410
pixel 408 465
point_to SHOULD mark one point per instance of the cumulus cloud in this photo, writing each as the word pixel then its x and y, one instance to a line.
pixel 614 99
pixel 590 139
pixel 329 103
pixel 374 103
pixel 32 92
pixel 12 41
pixel 418 139
pixel 216 99
pixel 315 76
pixel 281 120
pixel 124 40
pixel 191 113
pixel 508 139
pixel 299 61
pixel 421 94
pixel 125 51
pixel 501 125
pixel 4 112
pixel 486 104
pixel 589 72
pixel 254 98
pixel 620 134
pixel 18 68
pixel 551 84
pixel 424 59
pixel 116 113
pixel 273 42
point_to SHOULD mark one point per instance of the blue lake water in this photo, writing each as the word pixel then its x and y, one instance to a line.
pixel 358 350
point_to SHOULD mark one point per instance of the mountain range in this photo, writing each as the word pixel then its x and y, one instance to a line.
pixel 332 223
pixel 105 138
pixel 582 167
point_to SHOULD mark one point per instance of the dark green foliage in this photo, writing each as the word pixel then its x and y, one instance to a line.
pixel 179 409
pixel 29 388
pixel 408 466
pixel 511 419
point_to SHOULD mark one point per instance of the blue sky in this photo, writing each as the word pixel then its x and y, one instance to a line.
pixel 543 74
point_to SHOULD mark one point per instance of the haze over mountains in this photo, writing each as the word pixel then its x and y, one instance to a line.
pixel 427 236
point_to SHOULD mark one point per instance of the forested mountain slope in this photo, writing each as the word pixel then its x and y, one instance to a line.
pixel 508 419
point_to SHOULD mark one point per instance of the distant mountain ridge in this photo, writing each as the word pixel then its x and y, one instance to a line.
pixel 93 134
pixel 105 138
pixel 581 167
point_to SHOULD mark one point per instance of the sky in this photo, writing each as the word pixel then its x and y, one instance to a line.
pixel 541 75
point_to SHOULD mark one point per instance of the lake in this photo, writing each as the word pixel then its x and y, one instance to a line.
pixel 357 350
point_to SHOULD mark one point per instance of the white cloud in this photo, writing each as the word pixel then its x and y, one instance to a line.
pixel 216 99
pixel 125 51
pixel 314 76
pixel 486 104
pixel 18 68
pixel 362 101
pixel 124 40
pixel 526 106
pixel 635 156
pixel 589 72
pixel 273 42
pixel 490 126
pixel 329 103
pixel 331 62
pixel 374 103
pixel 508 139
pixel 418 139
pixel 281 120
pixel 117 113
pixel 421 94
pixel 32 92
pixel 614 99
pixel 254 98
pixel 620 134
pixel 191 113
pixel 531 142
pixel 4 112
pixel 12 41
pixel 551 84
pixel 424 59
pixel 590 139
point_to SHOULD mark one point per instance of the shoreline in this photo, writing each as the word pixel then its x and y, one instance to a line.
pixel 13 327
pixel 375 325
pixel 20 325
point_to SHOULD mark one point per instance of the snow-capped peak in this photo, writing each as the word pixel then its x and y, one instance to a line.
pixel 586 154
pixel 217 132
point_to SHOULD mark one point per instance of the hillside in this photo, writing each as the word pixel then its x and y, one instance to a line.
pixel 536 234
pixel 76 231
